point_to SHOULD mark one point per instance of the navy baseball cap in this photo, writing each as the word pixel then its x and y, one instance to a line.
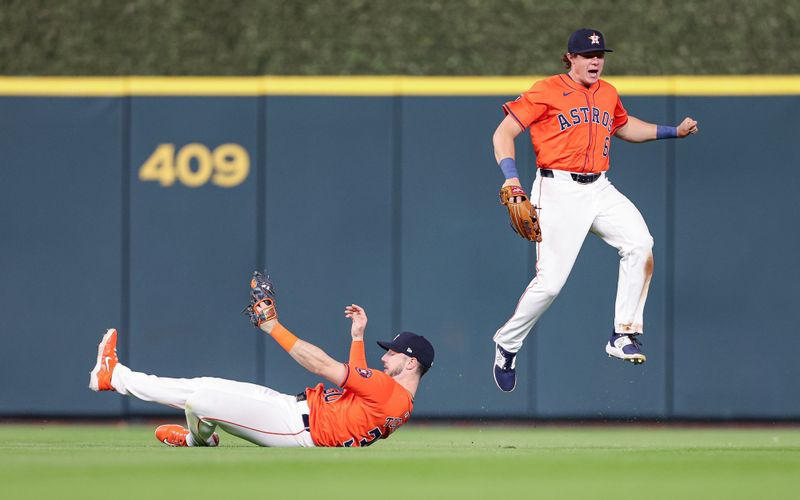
pixel 587 40
pixel 412 345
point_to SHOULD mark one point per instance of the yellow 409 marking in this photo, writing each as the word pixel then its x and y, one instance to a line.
pixel 194 165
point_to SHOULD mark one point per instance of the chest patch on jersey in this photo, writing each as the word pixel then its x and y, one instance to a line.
pixel 364 372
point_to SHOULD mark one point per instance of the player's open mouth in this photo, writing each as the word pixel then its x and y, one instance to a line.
pixel 593 72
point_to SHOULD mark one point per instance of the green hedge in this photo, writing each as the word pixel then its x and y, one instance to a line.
pixel 411 37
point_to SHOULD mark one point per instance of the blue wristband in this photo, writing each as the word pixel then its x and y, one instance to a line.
pixel 509 167
pixel 665 132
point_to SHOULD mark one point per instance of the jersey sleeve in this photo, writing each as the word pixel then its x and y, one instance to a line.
pixel 528 107
pixel 372 386
pixel 357 355
pixel 620 116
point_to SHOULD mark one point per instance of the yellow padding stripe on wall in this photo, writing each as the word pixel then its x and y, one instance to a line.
pixel 380 85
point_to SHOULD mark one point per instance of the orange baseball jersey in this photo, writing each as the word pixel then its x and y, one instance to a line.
pixel 570 125
pixel 370 407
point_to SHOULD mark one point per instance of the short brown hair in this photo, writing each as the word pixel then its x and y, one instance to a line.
pixel 565 60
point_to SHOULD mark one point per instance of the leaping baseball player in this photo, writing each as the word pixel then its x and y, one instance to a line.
pixel 571 118
pixel 370 405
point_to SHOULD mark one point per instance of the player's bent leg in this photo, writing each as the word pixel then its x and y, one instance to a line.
pixel 534 301
pixel 200 432
pixel 563 231
pixel 275 420
pixel 508 339
pixel 621 225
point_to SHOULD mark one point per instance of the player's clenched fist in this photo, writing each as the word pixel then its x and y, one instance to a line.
pixel 688 126
pixel 359 317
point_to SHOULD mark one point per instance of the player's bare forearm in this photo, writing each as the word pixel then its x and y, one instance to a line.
pixel 317 361
pixel 309 356
pixel 503 139
pixel 636 130
pixel 503 142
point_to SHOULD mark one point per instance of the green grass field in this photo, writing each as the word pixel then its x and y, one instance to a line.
pixel 475 461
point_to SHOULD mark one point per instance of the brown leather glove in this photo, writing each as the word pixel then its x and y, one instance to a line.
pixel 524 220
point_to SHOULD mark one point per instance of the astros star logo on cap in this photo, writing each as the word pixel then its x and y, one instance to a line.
pixel 595 38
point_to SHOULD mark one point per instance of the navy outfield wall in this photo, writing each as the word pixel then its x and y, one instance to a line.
pixel 148 213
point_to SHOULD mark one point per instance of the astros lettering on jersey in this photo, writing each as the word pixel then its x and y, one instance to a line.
pixel 570 125
pixel 371 406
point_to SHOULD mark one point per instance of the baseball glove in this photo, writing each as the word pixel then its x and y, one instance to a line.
pixel 524 220
pixel 262 300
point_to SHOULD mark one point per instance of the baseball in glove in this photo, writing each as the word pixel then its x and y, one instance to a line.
pixel 524 220
pixel 262 300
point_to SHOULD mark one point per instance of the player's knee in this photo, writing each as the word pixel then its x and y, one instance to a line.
pixel 645 248
pixel 551 290
pixel 641 248
pixel 649 244
pixel 200 402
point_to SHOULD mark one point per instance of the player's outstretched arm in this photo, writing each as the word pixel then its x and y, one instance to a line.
pixel 317 361
pixel 264 315
pixel 309 356
pixel 636 130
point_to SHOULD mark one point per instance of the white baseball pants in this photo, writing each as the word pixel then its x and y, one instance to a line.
pixel 568 211
pixel 252 412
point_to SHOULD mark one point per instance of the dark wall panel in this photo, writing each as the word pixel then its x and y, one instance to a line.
pixel 391 203
pixel 462 266
pixel 328 224
pixel 60 248
pixel 736 289
pixel 574 376
pixel 192 248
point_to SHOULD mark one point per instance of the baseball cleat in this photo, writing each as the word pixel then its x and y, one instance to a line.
pixel 505 373
pixel 626 347
pixel 177 436
pixel 100 377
